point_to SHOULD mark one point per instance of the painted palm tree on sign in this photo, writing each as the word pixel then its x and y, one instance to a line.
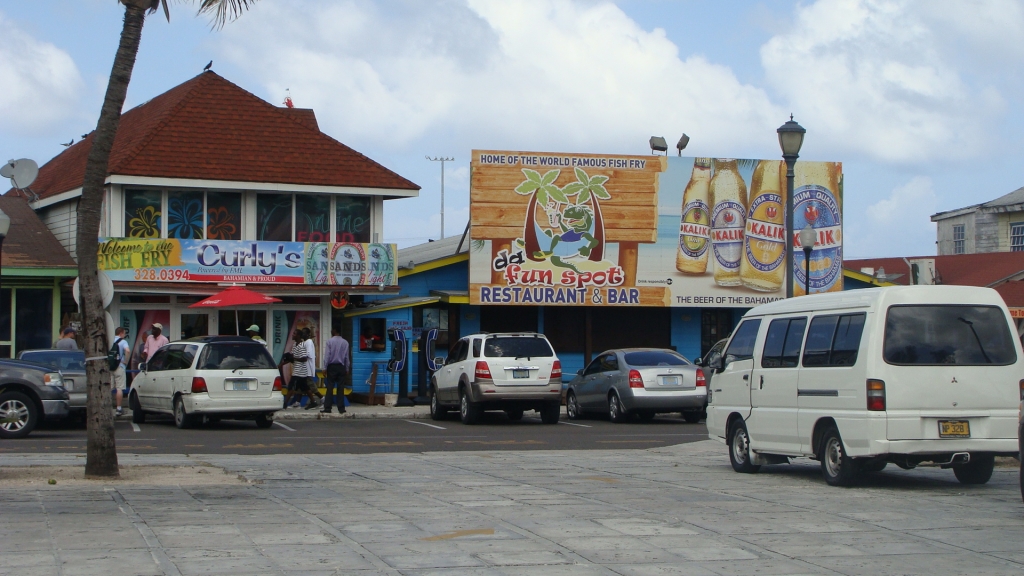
pixel 101 452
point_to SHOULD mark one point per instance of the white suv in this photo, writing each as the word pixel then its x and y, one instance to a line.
pixel 513 372
pixel 218 377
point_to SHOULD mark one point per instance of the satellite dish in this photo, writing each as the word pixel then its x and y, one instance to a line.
pixel 106 289
pixel 22 172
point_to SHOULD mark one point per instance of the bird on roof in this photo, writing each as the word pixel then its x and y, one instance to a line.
pixel 69 143
pixel 84 136
pixel 208 66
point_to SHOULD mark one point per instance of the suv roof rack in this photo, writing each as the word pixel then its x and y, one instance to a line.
pixel 209 339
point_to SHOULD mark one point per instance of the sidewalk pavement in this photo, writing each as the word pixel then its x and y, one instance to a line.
pixel 675 510
pixel 358 411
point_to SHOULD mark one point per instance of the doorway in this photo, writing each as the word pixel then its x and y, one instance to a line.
pixel 715 324
pixel 191 325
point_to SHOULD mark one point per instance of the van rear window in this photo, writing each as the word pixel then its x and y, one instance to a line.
pixel 955 335
pixel 231 356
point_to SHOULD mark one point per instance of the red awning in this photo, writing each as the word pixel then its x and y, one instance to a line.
pixel 235 296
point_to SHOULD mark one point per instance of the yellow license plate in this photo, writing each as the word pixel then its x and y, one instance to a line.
pixel 954 429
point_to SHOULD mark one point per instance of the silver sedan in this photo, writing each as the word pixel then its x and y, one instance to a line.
pixel 641 381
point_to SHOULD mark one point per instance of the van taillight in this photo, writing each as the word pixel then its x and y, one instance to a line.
pixel 277 384
pixel 876 395
pixel 635 381
pixel 556 370
pixel 700 378
pixel 482 370
pixel 198 385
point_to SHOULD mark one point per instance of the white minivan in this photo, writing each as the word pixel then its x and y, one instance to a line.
pixel 913 375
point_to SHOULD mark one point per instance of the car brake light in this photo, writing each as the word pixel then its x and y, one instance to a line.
pixel 876 395
pixel 482 370
pixel 556 371
pixel 198 385
pixel 277 384
pixel 635 381
pixel 700 378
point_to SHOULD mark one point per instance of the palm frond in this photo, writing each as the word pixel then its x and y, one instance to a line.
pixel 223 10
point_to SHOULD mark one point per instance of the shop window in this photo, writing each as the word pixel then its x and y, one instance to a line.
pixel 142 210
pixel 5 316
pixel 274 217
pixel 508 319
pixel 630 328
pixel 32 324
pixel 565 328
pixel 312 218
pixel 226 322
pixel 353 215
pixel 185 215
pixel 428 318
pixel 141 299
pixel 372 335
pixel 224 216
pixel 193 325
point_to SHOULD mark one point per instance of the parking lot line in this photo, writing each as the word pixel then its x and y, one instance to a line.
pixel 425 424
pixel 135 427
pixel 288 428
pixel 575 424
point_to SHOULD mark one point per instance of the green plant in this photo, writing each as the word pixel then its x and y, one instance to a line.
pixel 544 186
pixel 585 186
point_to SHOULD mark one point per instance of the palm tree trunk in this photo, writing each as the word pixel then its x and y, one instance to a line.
pixel 101 451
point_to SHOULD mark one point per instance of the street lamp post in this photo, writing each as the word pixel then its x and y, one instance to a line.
pixel 791 138
pixel 808 239
pixel 442 160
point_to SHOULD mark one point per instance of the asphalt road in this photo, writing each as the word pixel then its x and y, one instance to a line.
pixel 495 432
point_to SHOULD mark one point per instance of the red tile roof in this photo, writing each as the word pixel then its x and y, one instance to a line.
pixel 985 269
pixel 210 129
pixel 29 243
pixel 1012 293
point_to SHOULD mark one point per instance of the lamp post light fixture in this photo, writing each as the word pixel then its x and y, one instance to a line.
pixel 442 160
pixel 683 141
pixel 808 240
pixel 658 144
pixel 791 138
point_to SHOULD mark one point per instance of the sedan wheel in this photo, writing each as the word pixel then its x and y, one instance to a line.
pixel 615 412
pixel 572 407
pixel 18 415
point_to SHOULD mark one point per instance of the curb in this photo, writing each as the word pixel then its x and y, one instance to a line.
pixel 317 415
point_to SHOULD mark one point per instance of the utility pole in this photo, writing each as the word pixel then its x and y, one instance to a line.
pixel 442 160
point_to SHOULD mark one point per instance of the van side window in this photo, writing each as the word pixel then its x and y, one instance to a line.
pixel 782 345
pixel 833 340
pixel 742 345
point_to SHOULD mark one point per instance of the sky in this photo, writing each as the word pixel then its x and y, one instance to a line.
pixel 921 100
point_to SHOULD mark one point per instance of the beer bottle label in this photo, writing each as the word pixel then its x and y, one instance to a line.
pixel 816 205
pixel 694 230
pixel 766 239
pixel 727 234
pixel 316 263
pixel 348 264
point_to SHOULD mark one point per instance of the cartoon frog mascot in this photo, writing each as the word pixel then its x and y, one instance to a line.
pixel 575 239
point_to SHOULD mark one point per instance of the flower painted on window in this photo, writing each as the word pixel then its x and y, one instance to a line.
pixel 145 224
pixel 221 224
pixel 185 218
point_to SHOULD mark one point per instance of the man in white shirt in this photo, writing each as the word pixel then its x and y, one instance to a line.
pixel 310 354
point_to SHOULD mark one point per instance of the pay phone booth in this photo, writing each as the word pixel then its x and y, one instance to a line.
pixel 397 365
pixel 426 364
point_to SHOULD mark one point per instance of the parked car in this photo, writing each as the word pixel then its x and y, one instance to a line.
pixel 513 372
pixel 71 365
pixel 910 375
pixel 229 377
pixel 640 381
pixel 29 391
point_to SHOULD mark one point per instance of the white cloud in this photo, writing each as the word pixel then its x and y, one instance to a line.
pixel 897 225
pixel 41 82
pixel 555 74
pixel 880 78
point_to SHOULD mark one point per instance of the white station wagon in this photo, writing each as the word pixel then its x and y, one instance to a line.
pixel 229 377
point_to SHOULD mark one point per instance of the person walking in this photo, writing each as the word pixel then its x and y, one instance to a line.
pixel 254 333
pixel 67 340
pixel 336 369
pixel 154 342
pixel 300 370
pixel 118 378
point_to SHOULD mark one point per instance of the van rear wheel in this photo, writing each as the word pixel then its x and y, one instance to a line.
pixel 838 468
pixel 739 449
pixel 977 471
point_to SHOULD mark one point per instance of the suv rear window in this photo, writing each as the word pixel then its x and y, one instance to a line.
pixel 955 335
pixel 655 358
pixel 517 347
pixel 229 356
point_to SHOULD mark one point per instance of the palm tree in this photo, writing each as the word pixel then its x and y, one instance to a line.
pixel 101 452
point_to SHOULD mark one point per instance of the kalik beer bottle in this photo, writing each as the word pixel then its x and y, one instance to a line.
pixel 729 194
pixel 817 198
pixel 763 266
pixel 694 225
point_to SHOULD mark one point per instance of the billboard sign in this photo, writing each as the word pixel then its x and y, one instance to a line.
pixel 611 230
pixel 311 263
